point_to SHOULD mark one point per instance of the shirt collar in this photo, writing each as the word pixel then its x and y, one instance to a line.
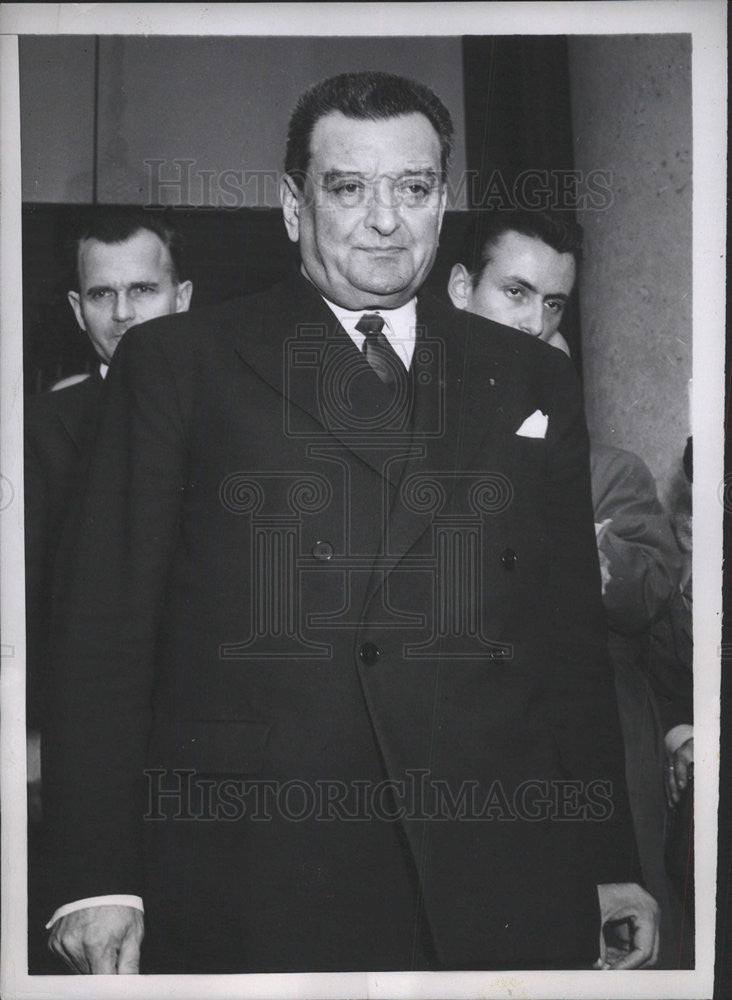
pixel 399 329
pixel 103 369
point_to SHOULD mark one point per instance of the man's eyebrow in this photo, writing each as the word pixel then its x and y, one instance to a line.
pixel 334 175
pixel 420 172
pixel 94 289
pixel 329 176
pixel 515 280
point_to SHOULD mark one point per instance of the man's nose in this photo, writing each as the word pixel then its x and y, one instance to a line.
pixel 532 321
pixel 123 307
pixel 383 210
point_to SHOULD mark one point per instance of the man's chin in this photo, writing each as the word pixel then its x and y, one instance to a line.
pixel 388 291
pixel 385 287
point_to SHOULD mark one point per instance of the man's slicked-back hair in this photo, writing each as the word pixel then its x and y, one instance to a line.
pixel 117 225
pixel 370 96
pixel 557 229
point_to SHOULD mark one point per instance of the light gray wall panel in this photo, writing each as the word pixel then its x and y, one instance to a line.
pixel 631 115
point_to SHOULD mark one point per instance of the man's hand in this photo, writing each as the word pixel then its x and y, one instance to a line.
pixel 629 932
pixel 100 940
pixel 680 771
pixel 600 530
pixel 604 571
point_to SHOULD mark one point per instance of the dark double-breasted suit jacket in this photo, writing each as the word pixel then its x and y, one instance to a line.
pixel 337 695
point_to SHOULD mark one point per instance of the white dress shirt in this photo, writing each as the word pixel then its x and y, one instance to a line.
pixel 399 326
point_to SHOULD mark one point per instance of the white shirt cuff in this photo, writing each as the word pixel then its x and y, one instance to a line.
pixel 82 904
pixel 677 736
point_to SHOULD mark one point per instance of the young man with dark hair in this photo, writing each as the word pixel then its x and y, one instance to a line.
pixel 519 268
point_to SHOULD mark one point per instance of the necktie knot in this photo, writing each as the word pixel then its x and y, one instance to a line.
pixel 370 324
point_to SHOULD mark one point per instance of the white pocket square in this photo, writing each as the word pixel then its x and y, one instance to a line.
pixel 534 426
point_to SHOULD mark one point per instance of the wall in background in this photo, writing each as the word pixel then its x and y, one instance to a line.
pixel 57 117
pixel 631 115
pixel 217 106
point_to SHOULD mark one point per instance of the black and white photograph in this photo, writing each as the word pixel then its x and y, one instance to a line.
pixel 362 365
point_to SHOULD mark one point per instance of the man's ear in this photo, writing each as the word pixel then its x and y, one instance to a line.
pixel 183 296
pixel 75 303
pixel 291 197
pixel 460 286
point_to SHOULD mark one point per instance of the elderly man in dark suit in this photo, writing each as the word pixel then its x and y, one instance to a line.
pixel 332 690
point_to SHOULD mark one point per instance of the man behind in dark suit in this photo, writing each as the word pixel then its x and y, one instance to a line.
pixel 127 270
pixel 331 689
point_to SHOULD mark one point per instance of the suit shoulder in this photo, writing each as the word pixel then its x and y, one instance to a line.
pixel 488 342
pixel 486 333
pixel 608 460
pixel 197 322
pixel 43 407
pixel 186 331
pixel 616 472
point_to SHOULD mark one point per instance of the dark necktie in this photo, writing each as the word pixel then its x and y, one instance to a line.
pixel 379 353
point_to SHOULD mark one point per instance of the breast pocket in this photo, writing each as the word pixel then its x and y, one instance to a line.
pixel 527 454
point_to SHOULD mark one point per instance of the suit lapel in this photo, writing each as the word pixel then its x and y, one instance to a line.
pixel 458 401
pixel 307 357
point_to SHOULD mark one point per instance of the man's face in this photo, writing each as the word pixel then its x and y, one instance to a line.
pixel 525 284
pixel 368 220
pixel 122 284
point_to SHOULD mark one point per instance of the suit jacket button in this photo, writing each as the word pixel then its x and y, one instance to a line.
pixel 323 550
pixel 508 558
pixel 369 654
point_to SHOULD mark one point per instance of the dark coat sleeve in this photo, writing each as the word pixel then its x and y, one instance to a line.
pixel 644 595
pixel 670 663
pixel 104 626
pixel 644 559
